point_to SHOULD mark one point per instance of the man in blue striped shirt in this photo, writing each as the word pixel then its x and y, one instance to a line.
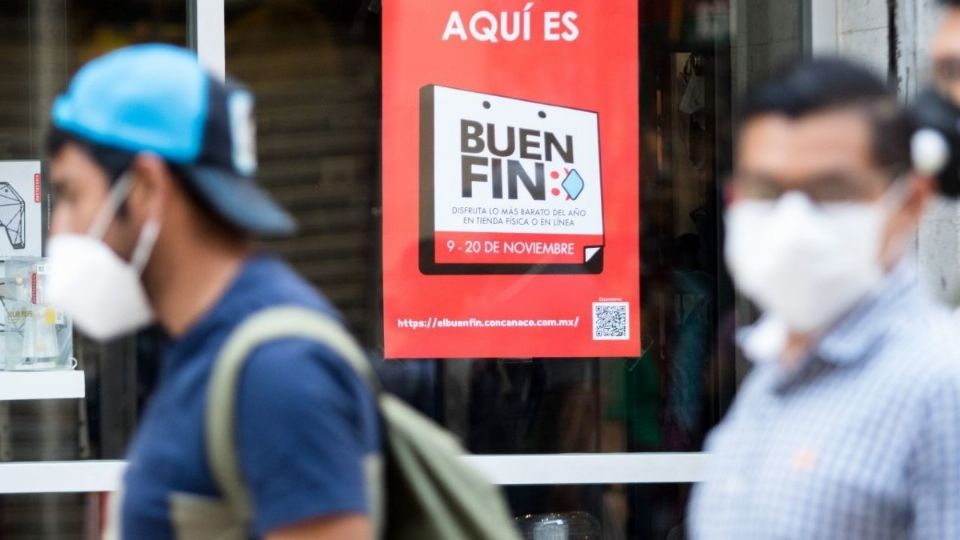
pixel 848 427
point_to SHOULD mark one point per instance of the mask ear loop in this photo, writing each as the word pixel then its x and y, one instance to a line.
pixel 900 190
pixel 148 235
pixel 119 192
pixel 145 244
pixel 893 200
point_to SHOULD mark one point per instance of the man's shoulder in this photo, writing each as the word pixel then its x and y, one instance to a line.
pixel 264 283
pixel 925 345
pixel 267 281
pixel 281 286
pixel 294 391
pixel 297 358
pixel 287 365
pixel 299 372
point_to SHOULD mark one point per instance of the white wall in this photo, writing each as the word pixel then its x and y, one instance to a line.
pixel 863 29
pixel 938 244
pixel 764 34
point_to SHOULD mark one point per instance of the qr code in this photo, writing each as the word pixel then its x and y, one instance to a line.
pixel 611 321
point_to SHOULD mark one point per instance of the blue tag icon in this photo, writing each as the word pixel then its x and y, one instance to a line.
pixel 573 184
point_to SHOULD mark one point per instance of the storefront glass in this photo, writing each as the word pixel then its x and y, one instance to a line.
pixel 316 69
pixel 318 86
pixel 318 105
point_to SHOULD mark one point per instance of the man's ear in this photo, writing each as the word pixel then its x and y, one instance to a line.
pixel 922 189
pixel 730 194
pixel 153 182
pixel 906 220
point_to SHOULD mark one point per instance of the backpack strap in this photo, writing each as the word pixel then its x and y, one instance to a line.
pixel 220 421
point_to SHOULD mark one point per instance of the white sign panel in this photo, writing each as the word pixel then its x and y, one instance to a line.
pixel 21 218
pixel 508 177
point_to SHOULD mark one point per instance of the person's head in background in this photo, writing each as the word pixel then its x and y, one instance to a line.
pixel 155 202
pixel 822 202
pixel 945 51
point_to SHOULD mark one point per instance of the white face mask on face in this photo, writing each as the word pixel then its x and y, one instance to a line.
pixel 89 282
pixel 806 265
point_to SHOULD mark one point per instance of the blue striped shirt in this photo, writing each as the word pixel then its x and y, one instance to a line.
pixel 860 441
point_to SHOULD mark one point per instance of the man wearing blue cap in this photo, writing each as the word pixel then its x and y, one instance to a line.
pixel 156 209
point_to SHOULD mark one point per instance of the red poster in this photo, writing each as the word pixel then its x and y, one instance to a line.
pixel 511 179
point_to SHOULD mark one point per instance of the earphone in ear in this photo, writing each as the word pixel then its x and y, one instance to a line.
pixel 935 145
pixel 929 151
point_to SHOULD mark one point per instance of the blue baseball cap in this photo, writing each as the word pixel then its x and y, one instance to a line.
pixel 159 99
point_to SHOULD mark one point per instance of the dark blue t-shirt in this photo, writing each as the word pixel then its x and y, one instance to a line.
pixel 305 421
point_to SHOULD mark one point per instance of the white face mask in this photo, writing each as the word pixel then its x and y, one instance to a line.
pixel 88 281
pixel 806 265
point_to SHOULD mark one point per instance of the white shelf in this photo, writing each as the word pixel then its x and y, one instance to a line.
pixel 638 468
pixel 61 476
pixel 642 468
pixel 63 384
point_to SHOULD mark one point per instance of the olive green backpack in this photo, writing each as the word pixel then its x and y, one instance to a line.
pixel 420 491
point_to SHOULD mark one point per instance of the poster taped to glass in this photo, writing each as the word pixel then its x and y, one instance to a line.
pixel 510 179
pixel 529 196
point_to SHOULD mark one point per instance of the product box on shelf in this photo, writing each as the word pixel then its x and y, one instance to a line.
pixel 33 334
pixel 21 215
